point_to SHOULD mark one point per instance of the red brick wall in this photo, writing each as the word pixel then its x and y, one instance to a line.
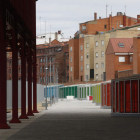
pixel 110 69
pixel 74 43
pixel 136 55
pixel 110 22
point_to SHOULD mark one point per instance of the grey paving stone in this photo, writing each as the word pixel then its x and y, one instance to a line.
pixel 79 120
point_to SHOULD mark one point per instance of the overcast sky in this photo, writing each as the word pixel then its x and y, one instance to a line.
pixel 65 15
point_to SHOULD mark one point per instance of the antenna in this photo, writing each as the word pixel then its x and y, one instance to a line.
pixel 45 32
pixel 106 10
pixel 40 25
pixel 125 9
pixel 50 34
pixel 111 10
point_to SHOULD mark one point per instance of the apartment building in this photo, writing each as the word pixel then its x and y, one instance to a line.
pixel 119 58
pixel 106 24
pixel 100 46
pixel 85 70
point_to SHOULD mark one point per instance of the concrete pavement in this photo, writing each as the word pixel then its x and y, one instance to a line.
pixel 76 120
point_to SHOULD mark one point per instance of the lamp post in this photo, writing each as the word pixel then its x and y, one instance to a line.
pixel 50 85
pixel 46 82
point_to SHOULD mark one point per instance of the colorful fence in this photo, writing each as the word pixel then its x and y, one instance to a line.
pixel 106 95
pixel 125 96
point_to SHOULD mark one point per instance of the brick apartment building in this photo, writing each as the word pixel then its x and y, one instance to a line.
pixel 57 52
pixel 101 42
pixel 119 58
pixel 93 27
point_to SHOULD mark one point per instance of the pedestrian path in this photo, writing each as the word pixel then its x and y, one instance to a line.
pixel 78 120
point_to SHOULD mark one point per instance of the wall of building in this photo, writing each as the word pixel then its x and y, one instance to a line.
pixel 74 43
pixel 81 63
pixel 88 39
pixel 101 48
pixel 124 33
pixel 111 22
pixel 40 94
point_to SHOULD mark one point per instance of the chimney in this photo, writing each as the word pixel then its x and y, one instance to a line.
pixel 59 32
pixel 56 36
pixel 95 16
pixel 124 20
pixel 129 22
pixel 50 41
pixel 138 18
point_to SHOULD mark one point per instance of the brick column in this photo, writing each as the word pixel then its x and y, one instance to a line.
pixel 30 113
pixel 23 83
pixel 14 85
pixel 3 94
pixel 34 84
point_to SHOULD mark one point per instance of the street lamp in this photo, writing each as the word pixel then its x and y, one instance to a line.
pixel 46 82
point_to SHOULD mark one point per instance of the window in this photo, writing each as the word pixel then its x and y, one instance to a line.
pixel 40 51
pixel 87 56
pixel 131 59
pixel 83 27
pixel 87 45
pixel 81 47
pixel 87 66
pixel 40 60
pixel 86 77
pixel 70 59
pixel 96 65
pixel 102 54
pixel 81 58
pixel 96 54
pixel 43 59
pixel 96 76
pixel 40 69
pixel 96 43
pixel 101 76
pixel 105 26
pixel 81 68
pixel 70 49
pixel 43 69
pixel 121 59
pixel 40 79
pixel 10 63
pixel 121 45
pixel 102 42
pixel 10 71
pixel 71 69
pixel 102 65
pixel 43 79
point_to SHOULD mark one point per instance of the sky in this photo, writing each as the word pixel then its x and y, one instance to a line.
pixel 66 15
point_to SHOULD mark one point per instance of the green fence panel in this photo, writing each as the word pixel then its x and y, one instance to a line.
pixel 73 92
pixel 87 91
pixel 76 92
pixel 66 91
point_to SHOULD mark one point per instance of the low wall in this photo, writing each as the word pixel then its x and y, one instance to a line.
pixel 40 93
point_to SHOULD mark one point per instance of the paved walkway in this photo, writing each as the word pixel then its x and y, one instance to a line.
pixel 77 120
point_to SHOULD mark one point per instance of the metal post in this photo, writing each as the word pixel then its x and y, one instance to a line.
pixel 57 83
pixel 46 83
pixel 53 83
pixel 50 85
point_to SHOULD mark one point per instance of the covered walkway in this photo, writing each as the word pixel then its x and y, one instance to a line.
pixel 74 120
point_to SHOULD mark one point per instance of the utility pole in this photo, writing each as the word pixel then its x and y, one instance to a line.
pixel 106 10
